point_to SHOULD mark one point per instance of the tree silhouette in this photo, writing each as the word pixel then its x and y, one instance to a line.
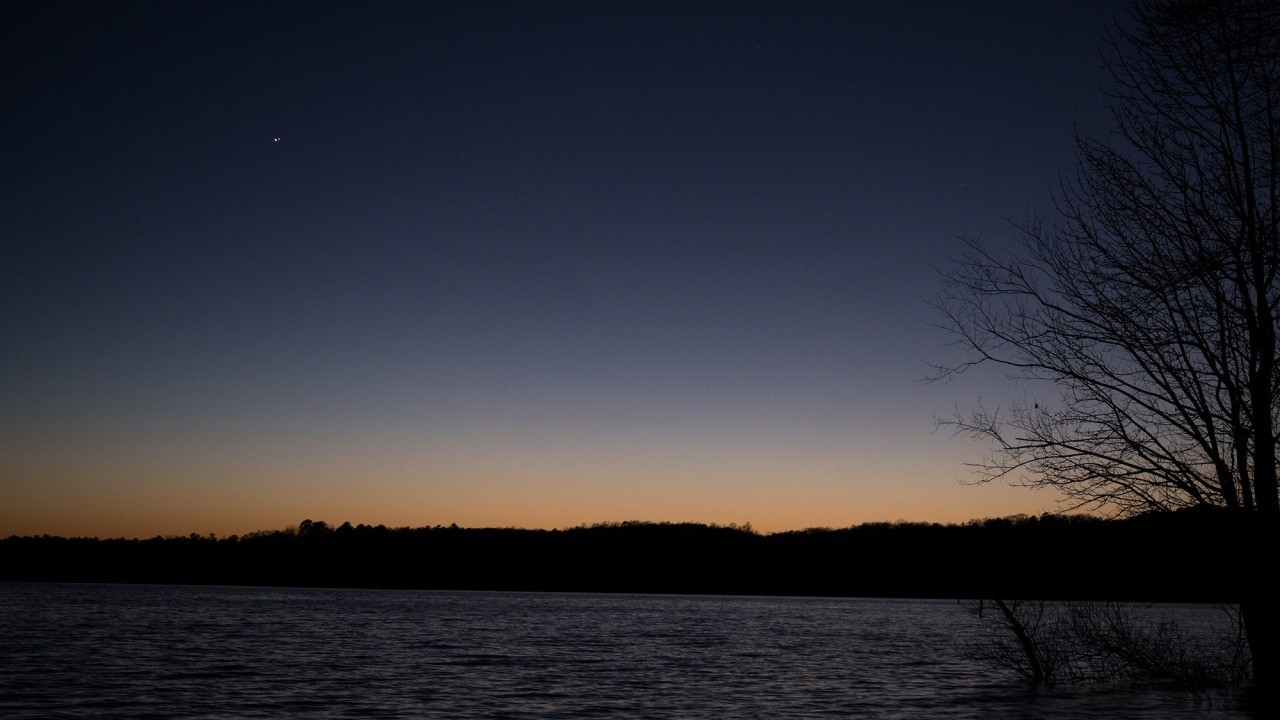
pixel 1149 298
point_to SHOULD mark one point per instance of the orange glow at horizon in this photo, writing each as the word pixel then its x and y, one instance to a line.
pixel 788 486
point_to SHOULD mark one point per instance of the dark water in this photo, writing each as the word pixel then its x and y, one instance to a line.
pixel 100 651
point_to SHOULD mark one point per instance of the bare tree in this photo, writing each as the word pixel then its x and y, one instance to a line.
pixel 1148 299
pixel 1117 639
pixel 1079 642
pixel 1030 640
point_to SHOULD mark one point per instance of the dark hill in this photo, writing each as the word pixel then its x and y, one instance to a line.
pixel 1187 556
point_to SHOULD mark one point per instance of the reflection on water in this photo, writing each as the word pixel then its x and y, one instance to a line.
pixel 99 651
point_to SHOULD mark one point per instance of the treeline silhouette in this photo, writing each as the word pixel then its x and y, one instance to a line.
pixel 1159 557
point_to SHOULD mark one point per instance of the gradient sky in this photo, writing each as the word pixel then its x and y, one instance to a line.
pixel 508 263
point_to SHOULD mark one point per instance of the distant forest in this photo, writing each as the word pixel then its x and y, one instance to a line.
pixel 1191 556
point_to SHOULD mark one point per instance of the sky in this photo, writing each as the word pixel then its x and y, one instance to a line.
pixel 531 264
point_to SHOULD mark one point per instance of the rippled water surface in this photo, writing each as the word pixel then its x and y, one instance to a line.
pixel 103 651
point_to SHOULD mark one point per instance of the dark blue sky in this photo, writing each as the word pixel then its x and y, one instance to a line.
pixel 507 263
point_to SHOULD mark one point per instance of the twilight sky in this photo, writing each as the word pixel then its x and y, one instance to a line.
pixel 508 263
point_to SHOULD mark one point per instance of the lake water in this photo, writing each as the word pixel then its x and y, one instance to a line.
pixel 105 651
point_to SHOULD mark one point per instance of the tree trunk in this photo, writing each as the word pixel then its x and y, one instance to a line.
pixel 1264 448
pixel 1260 609
pixel 1025 641
pixel 1263 631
